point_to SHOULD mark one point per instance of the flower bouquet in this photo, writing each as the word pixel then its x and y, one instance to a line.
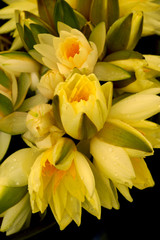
pixel 82 103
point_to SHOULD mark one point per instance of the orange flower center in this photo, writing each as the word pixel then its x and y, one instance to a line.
pixel 82 90
pixel 71 48
pixel 50 171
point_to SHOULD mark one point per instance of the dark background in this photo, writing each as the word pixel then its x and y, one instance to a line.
pixel 136 220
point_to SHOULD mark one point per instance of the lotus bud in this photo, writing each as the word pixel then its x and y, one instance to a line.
pixel 139 106
pixel 127 30
pixel 18 62
pixel 40 119
pixel 16 217
pixel 48 83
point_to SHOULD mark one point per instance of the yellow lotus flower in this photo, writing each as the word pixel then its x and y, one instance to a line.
pixel 61 178
pixel 48 83
pixel 118 151
pixel 68 51
pixel 8 12
pixel 144 68
pixel 83 105
pixel 151 10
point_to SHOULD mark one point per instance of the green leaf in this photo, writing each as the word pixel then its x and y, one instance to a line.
pixel 118 35
pixel 6 106
pixel 64 13
pixel 46 9
pixel 121 134
pixel 98 36
pixel 9 196
pixel 109 72
pixel 24 82
pixel 14 123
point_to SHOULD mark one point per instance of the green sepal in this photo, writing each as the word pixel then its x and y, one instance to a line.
pixel 87 128
pixel 14 123
pixel 37 29
pixel 4 80
pixel 28 37
pixel 98 36
pixel 122 55
pixel 4 143
pixel 32 102
pixel 121 134
pixel 109 72
pixel 24 82
pixel 118 35
pixel 56 110
pixel 104 10
pixel 64 13
pixel 6 106
pixel 9 196
pixel 63 153
pixel 46 9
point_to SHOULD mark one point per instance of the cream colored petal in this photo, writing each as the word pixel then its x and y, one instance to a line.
pixel 112 161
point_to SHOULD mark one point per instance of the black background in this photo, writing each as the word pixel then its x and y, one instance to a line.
pixel 137 220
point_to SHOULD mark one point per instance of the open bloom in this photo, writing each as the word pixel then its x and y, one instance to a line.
pixel 83 105
pixel 151 10
pixel 68 51
pixel 61 178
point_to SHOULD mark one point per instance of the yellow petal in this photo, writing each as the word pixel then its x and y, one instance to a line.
pixel 143 177
pixel 85 173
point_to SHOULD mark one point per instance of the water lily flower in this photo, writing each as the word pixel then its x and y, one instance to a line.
pixel 81 98
pixel 61 178
pixel 122 162
pixel 151 10
pixel 68 51
pixel 48 83
pixel 16 217
pixel 144 70
pixel 8 12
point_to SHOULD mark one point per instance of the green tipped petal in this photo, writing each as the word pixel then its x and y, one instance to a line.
pixel 110 72
pixel 98 36
pixel 4 143
pixel 14 123
pixel 14 171
pixel 63 153
pixel 121 134
pixel 9 196
pixel 138 106
pixel 104 10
